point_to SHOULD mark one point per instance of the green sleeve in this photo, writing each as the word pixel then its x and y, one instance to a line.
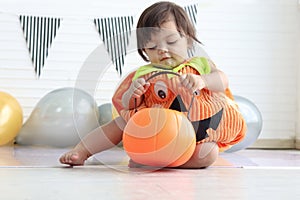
pixel 201 64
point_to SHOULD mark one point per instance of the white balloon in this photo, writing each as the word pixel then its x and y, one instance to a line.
pixel 60 119
pixel 105 113
pixel 253 120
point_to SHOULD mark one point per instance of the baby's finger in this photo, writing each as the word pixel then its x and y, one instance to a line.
pixel 193 89
pixel 185 82
pixel 137 92
pixel 137 84
pixel 146 86
pixel 182 77
pixel 141 81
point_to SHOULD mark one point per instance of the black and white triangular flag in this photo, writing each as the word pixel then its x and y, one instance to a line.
pixel 115 33
pixel 39 33
pixel 191 10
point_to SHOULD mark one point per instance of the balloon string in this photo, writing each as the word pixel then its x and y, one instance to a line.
pixel 191 104
pixel 135 105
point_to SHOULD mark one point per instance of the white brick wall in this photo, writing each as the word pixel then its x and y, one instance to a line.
pixel 254 42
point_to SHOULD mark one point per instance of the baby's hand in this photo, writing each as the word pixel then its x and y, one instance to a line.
pixel 138 87
pixel 192 82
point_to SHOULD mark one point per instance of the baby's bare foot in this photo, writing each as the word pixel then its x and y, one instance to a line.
pixel 74 157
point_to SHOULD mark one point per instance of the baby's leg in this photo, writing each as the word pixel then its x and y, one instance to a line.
pixel 204 155
pixel 100 139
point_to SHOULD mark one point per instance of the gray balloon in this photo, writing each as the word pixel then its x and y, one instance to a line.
pixel 253 120
pixel 60 119
pixel 105 113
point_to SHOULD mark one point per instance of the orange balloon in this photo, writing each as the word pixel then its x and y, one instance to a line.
pixel 159 137
pixel 11 118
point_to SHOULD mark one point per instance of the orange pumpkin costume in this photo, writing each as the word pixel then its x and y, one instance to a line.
pixel 214 115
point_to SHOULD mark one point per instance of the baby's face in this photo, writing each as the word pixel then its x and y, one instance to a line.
pixel 167 47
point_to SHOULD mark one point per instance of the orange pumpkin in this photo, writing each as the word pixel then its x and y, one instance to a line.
pixel 159 137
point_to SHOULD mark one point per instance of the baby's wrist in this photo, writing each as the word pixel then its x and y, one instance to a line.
pixel 203 83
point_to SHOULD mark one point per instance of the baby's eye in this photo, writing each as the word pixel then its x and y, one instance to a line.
pixel 152 48
pixel 172 42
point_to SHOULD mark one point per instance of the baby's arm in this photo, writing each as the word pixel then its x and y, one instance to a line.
pixel 215 81
pixel 135 93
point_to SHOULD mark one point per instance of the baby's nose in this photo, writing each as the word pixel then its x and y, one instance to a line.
pixel 162 50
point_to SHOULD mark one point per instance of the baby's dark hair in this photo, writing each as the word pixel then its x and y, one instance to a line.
pixel 155 15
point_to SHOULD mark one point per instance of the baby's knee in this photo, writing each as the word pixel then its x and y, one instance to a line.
pixel 206 153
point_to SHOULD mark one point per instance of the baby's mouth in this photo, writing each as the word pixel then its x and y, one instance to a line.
pixel 165 58
pixel 166 61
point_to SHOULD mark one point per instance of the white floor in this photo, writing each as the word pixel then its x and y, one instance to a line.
pixel 34 173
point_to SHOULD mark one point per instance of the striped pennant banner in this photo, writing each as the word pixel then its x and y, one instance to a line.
pixel 39 33
pixel 191 10
pixel 115 33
